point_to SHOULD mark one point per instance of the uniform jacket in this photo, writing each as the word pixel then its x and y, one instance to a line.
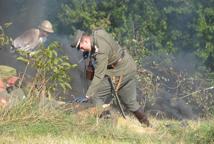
pixel 108 51
pixel 28 41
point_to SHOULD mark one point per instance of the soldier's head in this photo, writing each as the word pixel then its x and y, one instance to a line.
pixel 45 28
pixel 81 41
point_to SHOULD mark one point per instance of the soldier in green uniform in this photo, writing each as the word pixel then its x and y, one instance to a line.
pixel 109 59
pixel 10 95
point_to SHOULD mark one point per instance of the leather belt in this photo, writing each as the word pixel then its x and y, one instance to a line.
pixel 113 65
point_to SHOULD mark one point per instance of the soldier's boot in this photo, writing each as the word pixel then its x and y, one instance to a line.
pixel 140 115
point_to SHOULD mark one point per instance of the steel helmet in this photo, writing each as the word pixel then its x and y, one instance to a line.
pixel 46 26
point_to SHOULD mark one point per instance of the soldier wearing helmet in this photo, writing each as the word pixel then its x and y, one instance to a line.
pixel 31 39
pixel 10 92
pixel 109 59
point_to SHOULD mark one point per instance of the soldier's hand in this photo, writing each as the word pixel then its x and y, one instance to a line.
pixel 81 99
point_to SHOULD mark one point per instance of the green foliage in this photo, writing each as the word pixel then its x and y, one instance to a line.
pixel 82 15
pixel 52 69
pixel 204 26
pixel 4 39
pixel 165 25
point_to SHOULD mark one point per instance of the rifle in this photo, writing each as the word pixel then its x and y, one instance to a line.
pixel 114 93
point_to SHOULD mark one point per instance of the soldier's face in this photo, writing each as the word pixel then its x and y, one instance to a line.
pixel 43 33
pixel 85 44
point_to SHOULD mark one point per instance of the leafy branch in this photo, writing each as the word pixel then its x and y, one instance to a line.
pixel 52 69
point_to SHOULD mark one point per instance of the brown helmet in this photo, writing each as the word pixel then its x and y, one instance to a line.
pixel 46 26
pixel 75 41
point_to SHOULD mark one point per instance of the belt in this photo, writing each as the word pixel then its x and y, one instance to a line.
pixel 113 65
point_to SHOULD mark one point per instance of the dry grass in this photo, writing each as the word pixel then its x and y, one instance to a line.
pixel 29 122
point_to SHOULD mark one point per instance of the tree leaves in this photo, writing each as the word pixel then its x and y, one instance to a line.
pixel 164 25
pixel 52 68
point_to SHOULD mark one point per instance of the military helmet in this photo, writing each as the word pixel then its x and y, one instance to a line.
pixel 75 41
pixel 46 26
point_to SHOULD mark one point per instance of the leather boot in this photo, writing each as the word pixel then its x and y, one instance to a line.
pixel 140 115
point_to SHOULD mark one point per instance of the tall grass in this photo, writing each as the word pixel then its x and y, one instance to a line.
pixel 31 122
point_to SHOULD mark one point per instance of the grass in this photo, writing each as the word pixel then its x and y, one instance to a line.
pixel 28 122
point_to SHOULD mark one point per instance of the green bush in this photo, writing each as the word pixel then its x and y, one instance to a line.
pixel 52 70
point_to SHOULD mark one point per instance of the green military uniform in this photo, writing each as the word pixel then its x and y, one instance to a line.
pixel 17 94
pixel 110 60
pixel 108 52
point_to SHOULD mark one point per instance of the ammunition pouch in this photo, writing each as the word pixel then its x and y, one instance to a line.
pixel 90 71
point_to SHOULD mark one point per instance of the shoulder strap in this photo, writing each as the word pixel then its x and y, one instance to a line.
pixel 93 36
